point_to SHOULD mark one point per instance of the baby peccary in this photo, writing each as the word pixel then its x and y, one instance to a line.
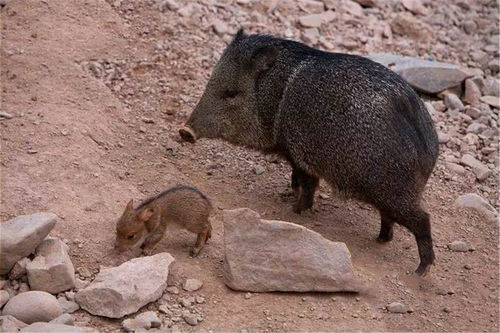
pixel 145 225
pixel 335 116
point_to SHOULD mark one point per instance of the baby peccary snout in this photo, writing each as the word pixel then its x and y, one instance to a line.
pixel 145 225
pixel 187 134
pixel 340 117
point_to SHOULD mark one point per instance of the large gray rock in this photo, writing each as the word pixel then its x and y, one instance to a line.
pixel 9 323
pixel 20 236
pixel 427 76
pixel 262 256
pixel 57 328
pixel 51 270
pixel 122 290
pixel 33 306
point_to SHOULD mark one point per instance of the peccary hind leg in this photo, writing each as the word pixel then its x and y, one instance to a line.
pixel 417 221
pixel 304 186
pixel 386 228
pixel 202 238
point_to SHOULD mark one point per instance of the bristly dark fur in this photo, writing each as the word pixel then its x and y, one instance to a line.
pixel 340 117
pixel 170 191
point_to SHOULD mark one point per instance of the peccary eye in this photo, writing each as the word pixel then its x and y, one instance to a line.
pixel 131 236
pixel 229 94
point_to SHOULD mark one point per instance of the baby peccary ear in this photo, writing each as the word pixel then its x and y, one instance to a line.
pixel 130 205
pixel 146 214
pixel 264 57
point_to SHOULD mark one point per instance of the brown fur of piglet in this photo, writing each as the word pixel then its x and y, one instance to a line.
pixel 146 224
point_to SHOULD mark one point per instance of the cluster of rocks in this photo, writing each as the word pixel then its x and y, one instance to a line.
pixel 38 267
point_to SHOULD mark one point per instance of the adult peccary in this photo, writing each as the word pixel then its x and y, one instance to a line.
pixel 335 116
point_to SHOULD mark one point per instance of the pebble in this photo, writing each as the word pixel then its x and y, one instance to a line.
pixel 397 307
pixel 459 246
pixel 33 306
pixel 190 318
pixel 173 290
pixel 453 102
pixel 84 272
pixel 192 285
pixel 259 170
pixel 6 115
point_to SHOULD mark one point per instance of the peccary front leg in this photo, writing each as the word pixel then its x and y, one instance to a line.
pixel 153 239
pixel 304 185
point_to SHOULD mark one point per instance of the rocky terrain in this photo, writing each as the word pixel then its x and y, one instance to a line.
pixel 93 93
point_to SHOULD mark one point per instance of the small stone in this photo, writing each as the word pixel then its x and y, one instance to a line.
pixel 473 112
pixel 150 318
pixel 200 299
pixel 491 100
pixel 64 319
pixel 491 87
pixel 21 235
pixel 4 297
pixel 459 246
pixel 472 92
pixel 84 272
pixel 443 137
pixel 164 309
pixel 33 306
pixel 23 287
pixel 190 318
pixel 476 202
pixel 19 269
pixel 310 36
pixel 80 284
pixel 70 295
pixel 173 290
pixel 148 120
pixel 248 295
pixel 10 324
pixel 51 270
pixel 220 27
pixel 259 170
pixel 468 267
pixel 476 128
pixel 453 102
pixel 456 168
pixel 68 306
pixel 186 302
pixel 311 21
pixel 405 24
pixel 54 328
pixel 6 115
pixel 397 307
pixel 415 6
pixel 133 325
pixel 192 285
pixel 480 170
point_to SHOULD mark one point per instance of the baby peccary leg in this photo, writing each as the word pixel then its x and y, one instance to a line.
pixel 386 228
pixel 153 239
pixel 202 238
pixel 417 221
pixel 307 185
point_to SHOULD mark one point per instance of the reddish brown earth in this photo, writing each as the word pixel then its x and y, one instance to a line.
pixel 83 140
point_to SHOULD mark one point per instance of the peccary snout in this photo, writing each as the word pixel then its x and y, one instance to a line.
pixel 335 116
pixel 187 134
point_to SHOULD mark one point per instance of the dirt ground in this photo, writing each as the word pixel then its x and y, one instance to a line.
pixel 98 90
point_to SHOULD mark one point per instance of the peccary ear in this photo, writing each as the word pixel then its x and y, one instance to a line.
pixel 146 214
pixel 264 57
pixel 240 34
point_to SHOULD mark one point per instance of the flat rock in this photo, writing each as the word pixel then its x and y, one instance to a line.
pixel 20 236
pixel 51 270
pixel 9 323
pixel 459 246
pixel 57 328
pixel 122 290
pixel 397 307
pixel 491 100
pixel 33 306
pixel 427 76
pixel 477 203
pixel 68 306
pixel 192 284
pixel 64 319
pixel 262 256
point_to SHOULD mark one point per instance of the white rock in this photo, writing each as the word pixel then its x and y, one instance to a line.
pixel 263 256
pixel 220 27
pixel 10 324
pixel 19 269
pixel 151 318
pixel 192 285
pixel 20 236
pixel 122 290
pixel 311 21
pixel 51 270
pixel 4 297
pixel 477 203
pixel 64 319
pixel 459 246
pixel 68 306
pixel 453 102
pixel 33 306
pixel 56 328
pixel 397 307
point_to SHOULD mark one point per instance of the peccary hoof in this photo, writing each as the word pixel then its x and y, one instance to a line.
pixel 187 134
